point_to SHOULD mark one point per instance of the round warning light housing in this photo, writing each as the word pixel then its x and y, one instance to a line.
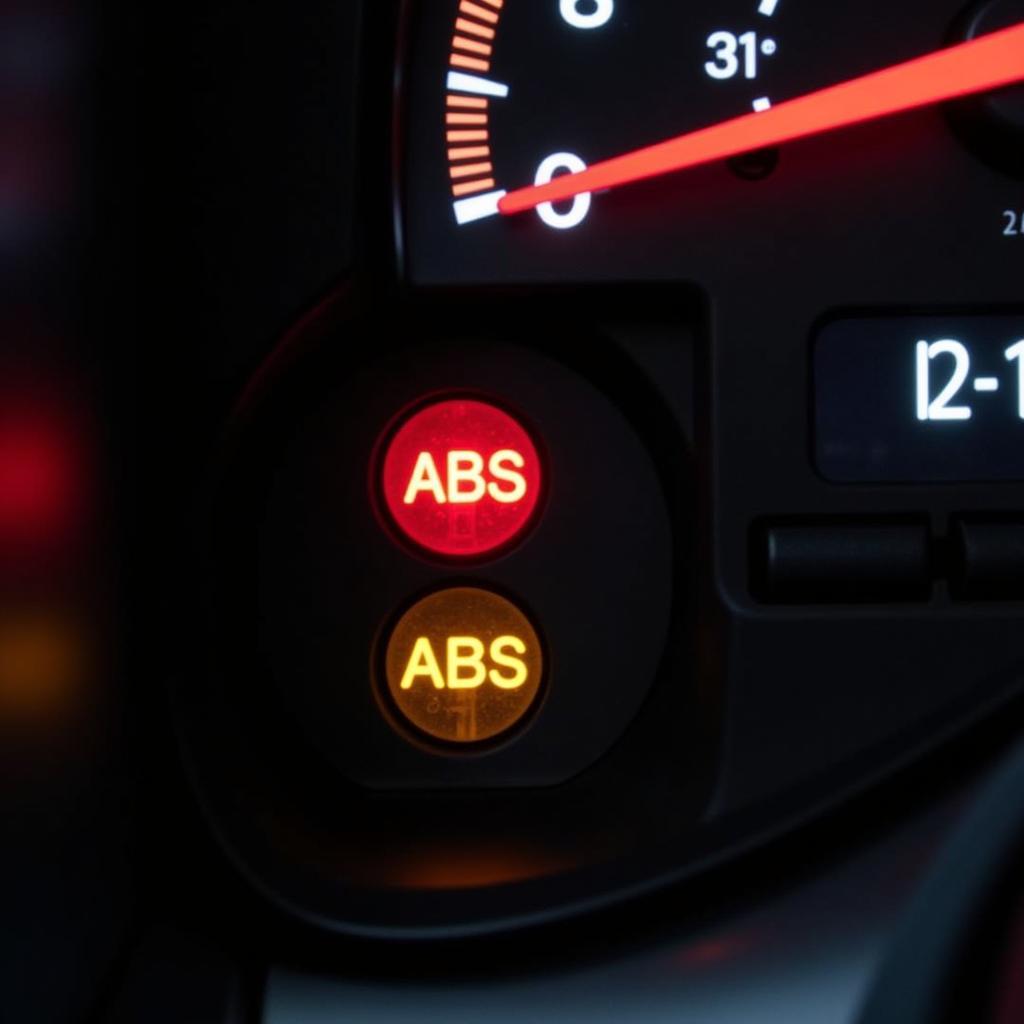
pixel 461 478
pixel 463 666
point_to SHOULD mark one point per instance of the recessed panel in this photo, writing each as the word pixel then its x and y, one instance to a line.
pixel 920 399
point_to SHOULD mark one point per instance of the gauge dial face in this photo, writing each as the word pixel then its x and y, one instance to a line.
pixel 507 95
pixel 736 71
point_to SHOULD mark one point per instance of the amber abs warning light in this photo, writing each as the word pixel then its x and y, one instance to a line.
pixel 464 665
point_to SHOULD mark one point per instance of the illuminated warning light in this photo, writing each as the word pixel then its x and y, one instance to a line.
pixel 463 665
pixel 461 478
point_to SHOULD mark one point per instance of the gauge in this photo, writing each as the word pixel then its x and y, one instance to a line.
pixel 541 108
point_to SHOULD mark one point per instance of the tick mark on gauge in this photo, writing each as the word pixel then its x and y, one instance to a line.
pixel 477 207
pixel 459 81
pixel 767 7
pixel 761 104
pixel 986 384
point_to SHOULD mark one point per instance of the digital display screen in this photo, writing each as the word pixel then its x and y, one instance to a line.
pixel 920 399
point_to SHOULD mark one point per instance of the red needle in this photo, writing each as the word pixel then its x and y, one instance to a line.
pixel 982 64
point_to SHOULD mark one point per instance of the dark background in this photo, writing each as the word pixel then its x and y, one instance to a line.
pixel 204 202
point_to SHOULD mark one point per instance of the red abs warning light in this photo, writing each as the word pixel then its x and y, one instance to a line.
pixel 461 477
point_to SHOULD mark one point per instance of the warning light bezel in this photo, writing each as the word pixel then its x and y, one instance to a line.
pixel 404 727
pixel 397 532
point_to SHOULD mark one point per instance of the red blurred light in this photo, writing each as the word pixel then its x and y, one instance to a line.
pixel 461 478
pixel 39 479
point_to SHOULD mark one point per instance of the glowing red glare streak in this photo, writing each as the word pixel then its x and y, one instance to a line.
pixel 980 65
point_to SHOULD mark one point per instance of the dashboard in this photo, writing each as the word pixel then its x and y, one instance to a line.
pixel 546 481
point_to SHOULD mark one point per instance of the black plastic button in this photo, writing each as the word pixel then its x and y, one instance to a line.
pixel 849 563
pixel 988 559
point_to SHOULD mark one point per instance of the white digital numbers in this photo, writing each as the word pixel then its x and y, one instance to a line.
pixel 735 55
pixel 943 370
pixel 1016 353
pixel 587 13
pixel 562 163
pixel 938 408
pixel 1013 224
